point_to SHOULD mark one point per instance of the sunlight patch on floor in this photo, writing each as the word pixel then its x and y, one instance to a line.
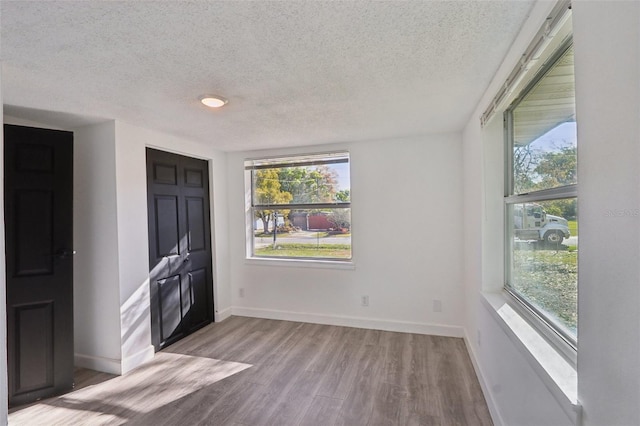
pixel 166 378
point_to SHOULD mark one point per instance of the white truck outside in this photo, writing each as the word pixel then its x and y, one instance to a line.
pixel 531 222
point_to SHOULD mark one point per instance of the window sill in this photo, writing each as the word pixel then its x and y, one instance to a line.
pixel 301 263
pixel 558 375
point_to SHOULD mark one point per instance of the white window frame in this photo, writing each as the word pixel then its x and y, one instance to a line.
pixel 565 343
pixel 312 159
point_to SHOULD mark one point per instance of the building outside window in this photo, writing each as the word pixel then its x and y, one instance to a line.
pixel 541 190
pixel 300 207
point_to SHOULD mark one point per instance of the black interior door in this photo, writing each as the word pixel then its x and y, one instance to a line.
pixel 38 188
pixel 179 246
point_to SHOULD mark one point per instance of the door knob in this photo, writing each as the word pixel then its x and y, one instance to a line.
pixel 64 253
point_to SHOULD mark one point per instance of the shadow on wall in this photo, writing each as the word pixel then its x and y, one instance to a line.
pixel 135 324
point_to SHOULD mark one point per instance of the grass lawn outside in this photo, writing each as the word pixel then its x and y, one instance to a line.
pixel 328 251
pixel 318 234
pixel 549 280
pixel 573 228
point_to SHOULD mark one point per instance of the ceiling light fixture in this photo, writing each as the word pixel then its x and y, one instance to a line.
pixel 213 101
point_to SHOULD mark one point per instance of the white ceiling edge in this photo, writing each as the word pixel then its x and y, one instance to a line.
pixel 49 119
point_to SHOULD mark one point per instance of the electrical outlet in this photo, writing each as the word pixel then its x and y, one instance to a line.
pixel 437 305
pixel 241 292
pixel 364 301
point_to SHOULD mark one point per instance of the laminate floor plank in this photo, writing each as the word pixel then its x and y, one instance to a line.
pixel 255 372
pixel 84 377
pixel 473 402
pixel 258 405
pixel 397 369
pixel 223 411
pixel 207 337
pixel 341 372
pixel 273 365
pixel 457 402
pixel 215 344
pixel 387 406
pixel 422 406
pixel 288 388
pixel 357 408
pixel 198 406
pixel 293 404
pixel 333 340
pixel 263 339
pixel 321 411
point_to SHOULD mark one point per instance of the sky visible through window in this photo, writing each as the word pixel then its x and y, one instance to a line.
pixel 562 135
pixel 342 169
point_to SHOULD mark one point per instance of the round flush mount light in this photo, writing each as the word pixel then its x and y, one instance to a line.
pixel 213 101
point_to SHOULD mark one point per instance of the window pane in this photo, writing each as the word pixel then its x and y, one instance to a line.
pixel 544 131
pixel 307 233
pixel 544 259
pixel 323 183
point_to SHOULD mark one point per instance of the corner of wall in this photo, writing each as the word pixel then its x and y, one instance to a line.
pixel 4 388
pixel 220 236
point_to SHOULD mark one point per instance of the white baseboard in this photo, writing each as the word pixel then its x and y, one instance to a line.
pixel 223 315
pixel 137 359
pixel 98 363
pixel 345 321
pixel 486 390
pixel 114 366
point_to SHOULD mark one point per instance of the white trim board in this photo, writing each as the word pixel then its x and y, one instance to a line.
pixel 222 315
pixel 131 362
pixel 486 390
pixel 98 363
pixel 358 322
pixel 112 365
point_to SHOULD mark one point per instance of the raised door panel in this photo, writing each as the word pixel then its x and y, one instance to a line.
pixel 34 350
pixel 195 224
pixel 170 307
pixel 194 178
pixel 166 174
pixel 33 251
pixel 199 297
pixel 167 226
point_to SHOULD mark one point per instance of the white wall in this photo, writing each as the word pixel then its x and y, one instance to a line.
pixel 514 392
pixel 607 57
pixel 96 265
pixel 112 324
pixel 111 304
pixel 133 248
pixel 607 54
pixel 406 216
pixel 4 388
pixel 133 252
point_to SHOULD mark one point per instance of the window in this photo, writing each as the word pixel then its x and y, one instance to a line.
pixel 541 191
pixel 300 207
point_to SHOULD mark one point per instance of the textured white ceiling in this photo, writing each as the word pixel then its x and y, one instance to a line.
pixel 295 73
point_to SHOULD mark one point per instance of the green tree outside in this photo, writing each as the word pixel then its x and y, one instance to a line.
pixel 535 170
pixel 268 191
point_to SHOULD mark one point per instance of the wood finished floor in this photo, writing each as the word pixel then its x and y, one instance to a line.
pixel 248 371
